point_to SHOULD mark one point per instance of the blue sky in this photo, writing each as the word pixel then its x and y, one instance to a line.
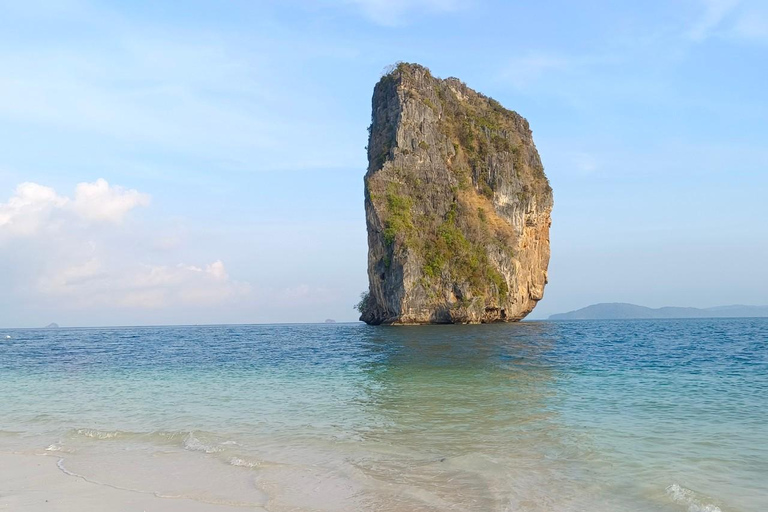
pixel 202 162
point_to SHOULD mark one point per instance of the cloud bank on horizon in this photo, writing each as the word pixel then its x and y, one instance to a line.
pixel 89 263
pixel 35 207
pixel 237 132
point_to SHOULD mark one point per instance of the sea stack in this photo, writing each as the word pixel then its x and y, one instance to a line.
pixel 457 205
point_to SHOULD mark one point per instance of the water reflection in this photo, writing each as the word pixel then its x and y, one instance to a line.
pixel 465 413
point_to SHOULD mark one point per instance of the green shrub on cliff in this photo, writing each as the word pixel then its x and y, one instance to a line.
pixel 362 305
pixel 399 219
pixel 443 228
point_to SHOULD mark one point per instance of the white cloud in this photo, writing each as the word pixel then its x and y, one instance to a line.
pixel 33 208
pixel 98 201
pixel 151 90
pixel 83 89
pixel 745 20
pixel 525 70
pixel 715 11
pixel 62 258
pixel 93 283
pixel 29 208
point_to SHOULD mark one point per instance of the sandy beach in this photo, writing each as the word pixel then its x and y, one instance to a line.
pixel 33 482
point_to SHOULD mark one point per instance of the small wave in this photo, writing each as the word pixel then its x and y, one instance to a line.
pixel 194 444
pixel 192 441
pixel 234 461
pixel 170 436
pixel 691 499
pixel 98 434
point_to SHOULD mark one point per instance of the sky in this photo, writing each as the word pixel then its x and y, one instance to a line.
pixel 168 162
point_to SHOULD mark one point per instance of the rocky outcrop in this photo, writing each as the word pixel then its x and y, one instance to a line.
pixel 457 206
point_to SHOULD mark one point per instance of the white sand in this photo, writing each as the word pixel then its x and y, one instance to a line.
pixel 34 482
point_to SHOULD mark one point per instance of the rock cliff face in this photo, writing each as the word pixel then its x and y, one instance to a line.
pixel 457 206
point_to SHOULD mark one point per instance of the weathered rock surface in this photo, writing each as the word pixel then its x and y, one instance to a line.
pixel 457 206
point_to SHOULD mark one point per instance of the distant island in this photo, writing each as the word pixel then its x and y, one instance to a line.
pixel 52 326
pixel 621 311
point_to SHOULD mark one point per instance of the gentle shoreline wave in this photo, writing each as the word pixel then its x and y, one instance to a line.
pixel 600 416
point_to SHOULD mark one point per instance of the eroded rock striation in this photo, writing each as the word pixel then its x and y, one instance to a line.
pixel 457 205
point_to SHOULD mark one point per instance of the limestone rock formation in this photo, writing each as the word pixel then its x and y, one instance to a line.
pixel 457 206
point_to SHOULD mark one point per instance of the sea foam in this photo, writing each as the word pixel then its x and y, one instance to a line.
pixel 194 444
pixel 691 499
pixel 98 434
pixel 235 461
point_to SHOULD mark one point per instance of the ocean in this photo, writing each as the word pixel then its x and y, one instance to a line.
pixel 643 415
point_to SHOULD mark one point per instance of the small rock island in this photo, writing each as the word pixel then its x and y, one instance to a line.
pixel 457 205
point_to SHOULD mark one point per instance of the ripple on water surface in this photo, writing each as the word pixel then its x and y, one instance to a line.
pixel 539 416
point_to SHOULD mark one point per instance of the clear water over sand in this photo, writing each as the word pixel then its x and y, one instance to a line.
pixel 539 416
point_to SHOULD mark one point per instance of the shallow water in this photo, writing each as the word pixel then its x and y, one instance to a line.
pixel 668 415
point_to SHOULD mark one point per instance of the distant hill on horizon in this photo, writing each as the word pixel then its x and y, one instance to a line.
pixel 622 311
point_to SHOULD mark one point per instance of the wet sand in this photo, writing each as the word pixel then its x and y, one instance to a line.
pixel 33 482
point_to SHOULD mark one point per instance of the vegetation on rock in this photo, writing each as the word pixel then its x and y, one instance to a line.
pixel 450 171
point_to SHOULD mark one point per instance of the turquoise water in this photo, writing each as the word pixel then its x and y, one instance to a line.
pixel 643 415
